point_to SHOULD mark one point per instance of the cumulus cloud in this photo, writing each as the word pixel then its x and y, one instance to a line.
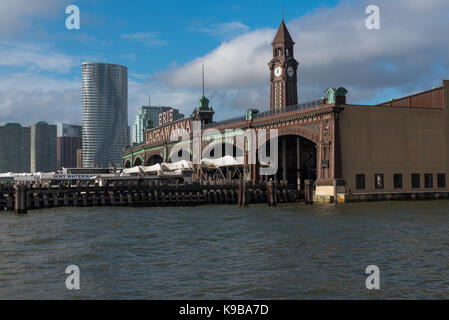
pixel 15 14
pixel 46 87
pixel 409 53
pixel 40 56
pixel 27 98
pixel 241 62
pixel 334 48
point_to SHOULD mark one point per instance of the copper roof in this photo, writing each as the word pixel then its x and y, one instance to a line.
pixel 282 35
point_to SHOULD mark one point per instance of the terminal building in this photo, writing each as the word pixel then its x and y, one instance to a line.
pixel 393 150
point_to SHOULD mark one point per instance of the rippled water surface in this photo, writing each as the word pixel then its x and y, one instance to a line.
pixel 226 252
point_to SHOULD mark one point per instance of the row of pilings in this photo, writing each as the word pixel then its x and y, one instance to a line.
pixel 24 197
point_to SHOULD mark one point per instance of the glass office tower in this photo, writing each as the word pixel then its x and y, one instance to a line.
pixel 105 114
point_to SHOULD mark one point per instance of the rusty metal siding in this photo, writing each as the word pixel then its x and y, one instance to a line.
pixel 428 99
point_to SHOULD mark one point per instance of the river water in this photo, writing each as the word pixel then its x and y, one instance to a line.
pixel 225 252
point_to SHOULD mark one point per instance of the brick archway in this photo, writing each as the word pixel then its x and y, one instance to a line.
pixel 137 161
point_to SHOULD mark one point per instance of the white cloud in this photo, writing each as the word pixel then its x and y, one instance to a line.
pixel 27 98
pixel 334 48
pixel 40 56
pixel 15 14
pixel 149 39
pixel 241 62
pixel 225 30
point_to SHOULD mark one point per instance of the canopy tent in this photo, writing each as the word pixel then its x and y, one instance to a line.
pixel 179 165
pixel 226 161
pixel 218 166
pixel 143 169
pixel 265 163
pixel 132 170
pixel 156 168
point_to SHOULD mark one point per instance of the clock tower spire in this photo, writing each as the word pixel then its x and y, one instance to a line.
pixel 283 69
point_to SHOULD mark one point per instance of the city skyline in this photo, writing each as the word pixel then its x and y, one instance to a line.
pixel 41 78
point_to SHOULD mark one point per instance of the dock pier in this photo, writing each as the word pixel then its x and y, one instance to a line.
pixel 24 197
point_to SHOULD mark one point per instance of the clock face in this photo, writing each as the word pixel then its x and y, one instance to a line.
pixel 290 71
pixel 278 71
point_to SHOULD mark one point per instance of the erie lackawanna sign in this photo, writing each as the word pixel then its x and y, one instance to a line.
pixel 165 117
pixel 163 133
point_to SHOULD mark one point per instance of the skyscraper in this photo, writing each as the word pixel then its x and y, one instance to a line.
pixel 148 117
pixel 14 148
pixel 68 130
pixel 68 142
pixel 105 114
pixel 43 147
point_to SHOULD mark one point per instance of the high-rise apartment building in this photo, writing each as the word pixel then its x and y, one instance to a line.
pixel 14 148
pixel 43 156
pixel 68 130
pixel 148 117
pixel 68 142
pixel 105 114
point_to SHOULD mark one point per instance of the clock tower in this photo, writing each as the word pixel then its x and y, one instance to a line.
pixel 283 69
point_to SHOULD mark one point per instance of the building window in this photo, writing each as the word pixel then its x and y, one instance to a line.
pixel 415 180
pixel 441 177
pixel 287 52
pixel 428 180
pixel 360 181
pixel 397 180
pixel 379 181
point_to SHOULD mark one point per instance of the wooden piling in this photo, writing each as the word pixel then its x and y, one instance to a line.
pixel 308 191
pixel 20 204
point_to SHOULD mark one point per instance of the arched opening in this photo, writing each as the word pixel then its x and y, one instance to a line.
pixel 154 159
pixel 128 164
pixel 137 162
pixel 297 160
pixel 227 149
pixel 226 172
pixel 181 154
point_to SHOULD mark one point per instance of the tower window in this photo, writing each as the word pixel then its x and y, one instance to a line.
pixel 279 52
pixel 287 53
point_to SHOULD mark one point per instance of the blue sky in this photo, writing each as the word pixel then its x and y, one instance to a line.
pixel 164 44
pixel 165 32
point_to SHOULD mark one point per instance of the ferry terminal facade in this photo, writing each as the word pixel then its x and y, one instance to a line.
pixel 394 150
